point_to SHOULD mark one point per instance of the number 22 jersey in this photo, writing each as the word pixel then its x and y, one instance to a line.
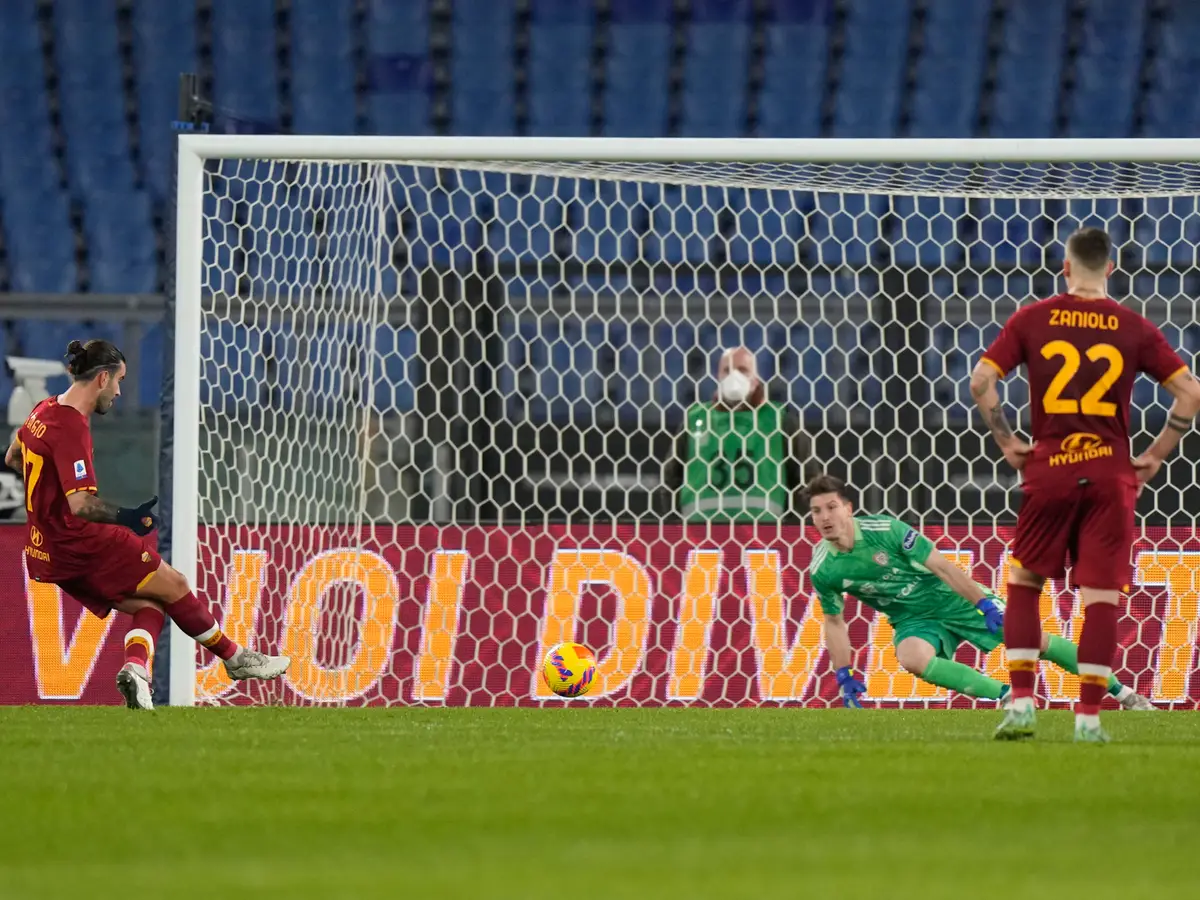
pixel 1082 357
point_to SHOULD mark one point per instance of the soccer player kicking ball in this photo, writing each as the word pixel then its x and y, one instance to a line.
pixel 932 604
pixel 94 550
pixel 1081 351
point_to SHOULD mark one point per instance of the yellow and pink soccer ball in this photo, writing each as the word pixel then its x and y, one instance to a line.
pixel 569 669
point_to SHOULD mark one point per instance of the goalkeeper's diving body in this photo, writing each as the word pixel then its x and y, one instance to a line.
pixel 932 604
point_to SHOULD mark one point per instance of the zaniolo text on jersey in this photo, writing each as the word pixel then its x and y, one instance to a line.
pixel 1082 357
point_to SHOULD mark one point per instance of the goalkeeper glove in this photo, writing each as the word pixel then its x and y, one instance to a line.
pixel 139 519
pixel 852 688
pixel 993 614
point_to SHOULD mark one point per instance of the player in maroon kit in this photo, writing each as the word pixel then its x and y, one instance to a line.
pixel 1082 351
pixel 101 554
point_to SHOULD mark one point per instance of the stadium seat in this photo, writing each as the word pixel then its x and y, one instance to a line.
pixel 1027 71
pixel 794 61
pixel 635 98
pixel 868 99
pixel 398 47
pixel 560 68
pixel 40 245
pixel 245 81
pixel 1107 70
pixel 93 106
pixel 716 64
pixel 150 374
pixel 926 233
pixel 164 36
pixel 323 67
pixel 949 71
pixel 768 230
pixel 484 78
pixel 395 375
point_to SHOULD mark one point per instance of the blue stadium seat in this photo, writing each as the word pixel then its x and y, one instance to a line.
pixel 635 100
pixel 93 106
pixel 845 226
pixel 40 244
pixel 1009 231
pixel 1027 72
pixel 398 44
pixel 164 40
pixel 868 102
pixel 1107 70
pixel 683 224
pixel 950 69
pixel 927 232
pixel 26 155
pixel 396 371
pixel 245 82
pixel 559 68
pixel 1168 231
pixel 526 221
pixel 48 338
pixel 768 230
pixel 150 373
pixel 715 68
pixel 793 88
pixel 323 67
pixel 121 247
pixel 483 101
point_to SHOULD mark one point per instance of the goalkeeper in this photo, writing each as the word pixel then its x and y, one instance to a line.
pixel 933 605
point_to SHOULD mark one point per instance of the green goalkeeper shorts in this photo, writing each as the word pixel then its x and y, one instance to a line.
pixel 947 633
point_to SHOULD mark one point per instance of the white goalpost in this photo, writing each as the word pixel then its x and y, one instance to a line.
pixel 430 393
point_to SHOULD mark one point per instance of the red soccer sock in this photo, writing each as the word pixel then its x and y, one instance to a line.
pixel 1022 637
pixel 1097 643
pixel 198 623
pixel 143 632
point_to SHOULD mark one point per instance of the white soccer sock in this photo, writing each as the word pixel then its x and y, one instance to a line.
pixel 1084 721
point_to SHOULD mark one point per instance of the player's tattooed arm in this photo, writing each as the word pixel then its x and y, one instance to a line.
pixel 983 389
pixel 987 398
pixel 88 506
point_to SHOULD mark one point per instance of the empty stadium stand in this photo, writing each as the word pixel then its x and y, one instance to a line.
pixel 88 92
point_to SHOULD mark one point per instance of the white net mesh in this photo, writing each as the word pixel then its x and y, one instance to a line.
pixel 444 414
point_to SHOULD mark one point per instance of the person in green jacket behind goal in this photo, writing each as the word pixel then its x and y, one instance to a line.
pixel 740 458
pixel 932 604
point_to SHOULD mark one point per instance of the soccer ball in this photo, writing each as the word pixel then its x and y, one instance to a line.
pixel 568 669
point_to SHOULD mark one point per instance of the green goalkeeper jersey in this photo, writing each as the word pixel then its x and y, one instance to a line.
pixel 885 570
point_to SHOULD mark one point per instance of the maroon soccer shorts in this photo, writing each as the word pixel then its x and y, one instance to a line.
pixel 1091 525
pixel 116 569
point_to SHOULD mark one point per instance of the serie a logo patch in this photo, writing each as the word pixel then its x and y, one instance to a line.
pixel 910 539
pixel 80 470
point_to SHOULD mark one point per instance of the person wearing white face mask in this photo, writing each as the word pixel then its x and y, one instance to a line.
pixel 740 458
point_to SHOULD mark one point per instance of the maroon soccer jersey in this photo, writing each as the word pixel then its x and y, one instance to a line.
pixel 56 451
pixel 1082 357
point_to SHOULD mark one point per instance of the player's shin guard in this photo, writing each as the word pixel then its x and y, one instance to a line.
pixel 198 623
pixel 143 632
pixel 1022 638
pixel 1097 643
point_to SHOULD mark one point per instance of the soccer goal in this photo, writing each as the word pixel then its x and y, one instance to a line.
pixel 433 397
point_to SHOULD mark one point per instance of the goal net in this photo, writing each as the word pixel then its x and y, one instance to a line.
pixel 438 411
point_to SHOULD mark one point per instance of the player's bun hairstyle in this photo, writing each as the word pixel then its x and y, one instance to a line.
pixel 828 484
pixel 1091 248
pixel 87 359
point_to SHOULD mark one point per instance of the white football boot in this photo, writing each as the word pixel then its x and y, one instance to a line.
pixel 1136 702
pixel 248 663
pixel 133 681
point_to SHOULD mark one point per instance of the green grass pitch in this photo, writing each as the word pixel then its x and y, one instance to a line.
pixel 591 803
